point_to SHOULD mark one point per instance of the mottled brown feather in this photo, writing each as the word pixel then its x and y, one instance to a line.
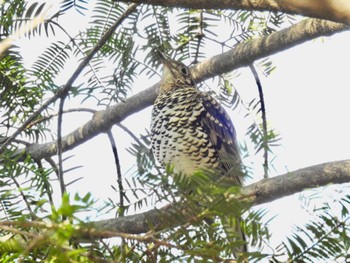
pixel 191 130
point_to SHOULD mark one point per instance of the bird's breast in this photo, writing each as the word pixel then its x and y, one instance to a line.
pixel 177 136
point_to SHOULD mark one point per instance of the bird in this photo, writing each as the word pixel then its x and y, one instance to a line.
pixel 191 131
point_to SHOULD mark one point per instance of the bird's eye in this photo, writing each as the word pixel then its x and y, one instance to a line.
pixel 184 71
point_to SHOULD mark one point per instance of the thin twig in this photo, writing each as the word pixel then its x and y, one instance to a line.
pixel 53 165
pixel 121 209
pixel 59 145
pixel 24 197
pixel 135 139
pixel 48 117
pixel 263 116
pixel 119 173
pixel 320 239
pixel 130 133
pixel 78 48
pixel 32 244
pixel 199 35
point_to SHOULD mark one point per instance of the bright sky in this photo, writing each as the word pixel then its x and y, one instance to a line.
pixel 307 99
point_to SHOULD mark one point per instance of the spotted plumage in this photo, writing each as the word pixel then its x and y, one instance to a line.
pixel 190 129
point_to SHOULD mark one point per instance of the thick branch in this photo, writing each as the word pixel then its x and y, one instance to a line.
pixel 334 10
pixel 264 191
pixel 246 53
pixel 242 55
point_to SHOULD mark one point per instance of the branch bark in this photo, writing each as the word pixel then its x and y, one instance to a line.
pixel 334 10
pixel 266 190
pixel 242 55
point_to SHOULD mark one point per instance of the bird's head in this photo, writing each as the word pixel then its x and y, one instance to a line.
pixel 175 74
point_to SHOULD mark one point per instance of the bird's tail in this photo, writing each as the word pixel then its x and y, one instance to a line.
pixel 235 235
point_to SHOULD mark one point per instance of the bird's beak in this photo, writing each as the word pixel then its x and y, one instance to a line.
pixel 167 74
pixel 164 59
pixel 161 55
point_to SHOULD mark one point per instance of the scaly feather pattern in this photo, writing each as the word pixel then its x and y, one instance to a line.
pixel 190 129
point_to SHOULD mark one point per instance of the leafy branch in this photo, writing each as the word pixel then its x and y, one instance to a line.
pixel 65 89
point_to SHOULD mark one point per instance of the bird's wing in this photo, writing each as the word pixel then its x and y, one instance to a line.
pixel 222 134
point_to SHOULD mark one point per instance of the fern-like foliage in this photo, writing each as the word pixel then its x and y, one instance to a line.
pixel 79 5
pixel 8 13
pixel 325 238
pixel 23 187
pixel 18 98
pixel 117 54
pixel 49 65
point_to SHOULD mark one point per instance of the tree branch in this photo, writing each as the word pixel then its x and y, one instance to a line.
pixel 266 190
pixel 334 10
pixel 246 53
pixel 242 55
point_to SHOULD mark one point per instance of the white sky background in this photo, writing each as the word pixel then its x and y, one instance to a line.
pixel 308 103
